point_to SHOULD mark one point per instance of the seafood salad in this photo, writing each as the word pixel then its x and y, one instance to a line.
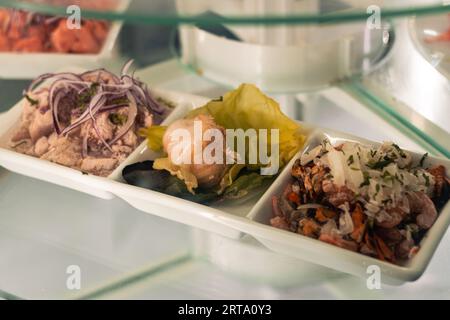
pixel 204 181
pixel 22 31
pixel 373 200
pixel 88 121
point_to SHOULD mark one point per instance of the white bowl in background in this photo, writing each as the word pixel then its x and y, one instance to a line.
pixel 24 65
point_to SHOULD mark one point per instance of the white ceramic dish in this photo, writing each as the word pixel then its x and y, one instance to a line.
pixel 15 65
pixel 321 253
pixel 215 219
pixel 303 63
pixel 71 178
pixel 234 218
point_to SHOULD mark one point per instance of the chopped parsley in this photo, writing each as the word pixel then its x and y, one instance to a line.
pixel 398 179
pixel 427 179
pixel 366 181
pixel 170 104
pixel 32 101
pixel 350 160
pixel 400 151
pixel 386 176
pixel 118 119
pixel 86 96
pixel 380 164
pixel 377 189
pixel 119 101
pixel 422 160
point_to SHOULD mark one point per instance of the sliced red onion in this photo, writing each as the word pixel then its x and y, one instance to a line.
pixel 56 123
pixel 152 104
pixel 70 85
pixel 111 76
pixel 96 105
pixel 125 68
pixel 113 107
pixel 93 122
pixel 46 76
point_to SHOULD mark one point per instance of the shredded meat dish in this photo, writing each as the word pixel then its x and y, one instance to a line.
pixel 375 201
pixel 88 121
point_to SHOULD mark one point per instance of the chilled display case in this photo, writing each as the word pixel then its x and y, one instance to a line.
pixel 373 69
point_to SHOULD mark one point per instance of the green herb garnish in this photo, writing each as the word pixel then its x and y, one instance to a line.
pixel 350 160
pixel 400 151
pixel 377 189
pixel 170 104
pixel 422 160
pixel 427 179
pixel 366 181
pixel 84 98
pixel 386 176
pixel 120 101
pixel 118 119
pixel 32 101
pixel 380 164
pixel 398 179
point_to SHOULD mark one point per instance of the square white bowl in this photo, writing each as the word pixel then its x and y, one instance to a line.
pixel 29 65
pixel 72 178
pixel 321 253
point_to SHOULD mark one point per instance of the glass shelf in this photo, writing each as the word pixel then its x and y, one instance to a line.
pixel 400 94
pixel 120 249
pixel 234 11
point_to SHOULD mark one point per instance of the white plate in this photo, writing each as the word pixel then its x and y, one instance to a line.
pixel 15 65
pixel 324 254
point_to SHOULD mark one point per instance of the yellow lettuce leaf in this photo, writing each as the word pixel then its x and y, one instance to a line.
pixel 244 108
pixel 154 135
pixel 229 177
pixel 247 107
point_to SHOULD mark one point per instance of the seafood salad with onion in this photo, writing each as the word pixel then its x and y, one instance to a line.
pixel 373 200
pixel 88 121
pixel 241 110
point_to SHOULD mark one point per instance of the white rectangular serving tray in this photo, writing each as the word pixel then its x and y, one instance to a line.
pixel 234 218
pixel 14 65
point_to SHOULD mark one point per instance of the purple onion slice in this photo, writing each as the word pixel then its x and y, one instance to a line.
pixel 92 93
